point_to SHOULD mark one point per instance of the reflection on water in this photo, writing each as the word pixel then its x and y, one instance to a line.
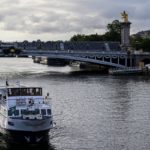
pixel 17 67
pixel 9 145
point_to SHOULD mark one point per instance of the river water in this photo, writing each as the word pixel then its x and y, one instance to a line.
pixel 91 111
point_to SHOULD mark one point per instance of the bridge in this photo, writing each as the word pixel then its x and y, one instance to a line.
pixel 110 59
pixel 108 54
pixel 88 57
pixel 103 53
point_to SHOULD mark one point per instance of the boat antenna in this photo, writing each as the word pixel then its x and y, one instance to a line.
pixel 7 84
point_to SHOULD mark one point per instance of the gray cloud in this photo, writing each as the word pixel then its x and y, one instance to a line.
pixel 69 16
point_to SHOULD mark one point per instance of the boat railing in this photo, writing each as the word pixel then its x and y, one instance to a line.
pixel 3 102
pixel 47 101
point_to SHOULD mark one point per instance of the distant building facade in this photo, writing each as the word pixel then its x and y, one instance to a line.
pixel 142 34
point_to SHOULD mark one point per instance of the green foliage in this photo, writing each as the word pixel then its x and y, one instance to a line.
pixel 92 37
pixel 114 27
pixel 77 37
pixel 145 44
pixel 136 42
pixel 141 43
pixel 114 31
pixel 113 34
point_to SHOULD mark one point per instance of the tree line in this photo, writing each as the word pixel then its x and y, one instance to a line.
pixel 113 33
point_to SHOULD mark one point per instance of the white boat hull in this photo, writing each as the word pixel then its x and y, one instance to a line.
pixel 25 131
pixel 25 114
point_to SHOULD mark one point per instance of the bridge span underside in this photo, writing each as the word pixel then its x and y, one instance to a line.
pixel 109 62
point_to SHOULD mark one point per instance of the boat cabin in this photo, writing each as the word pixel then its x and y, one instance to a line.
pixel 26 101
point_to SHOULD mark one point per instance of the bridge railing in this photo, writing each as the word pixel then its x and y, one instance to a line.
pixel 72 52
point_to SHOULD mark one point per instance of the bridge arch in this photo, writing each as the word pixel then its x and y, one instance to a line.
pixel 92 60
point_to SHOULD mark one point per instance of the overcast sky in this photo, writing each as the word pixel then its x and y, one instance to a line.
pixel 61 19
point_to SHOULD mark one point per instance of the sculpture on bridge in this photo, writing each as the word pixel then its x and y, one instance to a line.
pixel 124 16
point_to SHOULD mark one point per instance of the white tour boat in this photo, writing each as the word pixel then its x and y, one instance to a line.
pixel 25 114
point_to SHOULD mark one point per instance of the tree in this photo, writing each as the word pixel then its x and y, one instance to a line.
pixel 78 37
pixel 114 31
pixel 136 42
pixel 145 44
pixel 113 34
pixel 140 43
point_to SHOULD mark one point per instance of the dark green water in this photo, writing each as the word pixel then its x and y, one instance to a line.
pixel 91 111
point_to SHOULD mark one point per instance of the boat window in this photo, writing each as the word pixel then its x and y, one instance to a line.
pixel 16 112
pixel 32 112
pixel 9 92
pixel 13 112
pixel 37 111
pixel 49 111
pixel 10 112
pixel 24 112
pixel 43 111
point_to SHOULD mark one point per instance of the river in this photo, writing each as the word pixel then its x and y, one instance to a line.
pixel 91 111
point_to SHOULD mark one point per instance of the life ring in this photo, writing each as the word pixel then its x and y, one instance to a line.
pixel 31 101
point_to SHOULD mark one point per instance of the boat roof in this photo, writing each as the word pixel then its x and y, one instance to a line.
pixel 4 88
pixel 14 86
pixel 21 90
